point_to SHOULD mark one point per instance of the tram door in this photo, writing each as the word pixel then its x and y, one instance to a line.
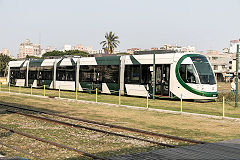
pixel 162 79
pixel 97 78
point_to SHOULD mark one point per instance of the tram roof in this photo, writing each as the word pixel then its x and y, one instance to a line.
pixel 22 63
pixel 166 58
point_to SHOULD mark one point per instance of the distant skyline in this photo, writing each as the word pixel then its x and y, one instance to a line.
pixel 204 24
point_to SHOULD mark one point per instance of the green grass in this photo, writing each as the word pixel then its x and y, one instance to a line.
pixel 211 108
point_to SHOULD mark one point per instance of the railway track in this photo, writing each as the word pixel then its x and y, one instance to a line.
pixel 107 125
pixel 19 150
pixel 52 143
pixel 20 110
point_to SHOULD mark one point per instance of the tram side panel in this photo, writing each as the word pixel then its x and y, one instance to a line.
pixel 17 71
pixel 139 75
pixel 137 80
pixel 101 73
pixel 40 73
pixel 17 76
pixel 38 77
pixel 66 78
pixel 103 77
pixel 111 79
pixel 176 88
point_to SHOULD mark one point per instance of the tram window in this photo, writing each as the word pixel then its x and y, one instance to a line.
pixel 91 73
pixel 146 74
pixel 46 75
pixel 33 74
pixel 204 70
pixel 188 73
pixel 66 73
pixel 18 73
pixel 110 73
pixel 132 74
pixel 86 73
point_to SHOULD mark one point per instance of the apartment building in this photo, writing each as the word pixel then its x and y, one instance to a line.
pixel 178 48
pixel 28 48
pixel 222 65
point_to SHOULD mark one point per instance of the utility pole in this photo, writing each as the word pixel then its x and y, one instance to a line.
pixel 154 75
pixel 237 62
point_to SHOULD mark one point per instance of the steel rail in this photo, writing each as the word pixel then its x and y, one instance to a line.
pixel 19 150
pixel 112 126
pixel 92 129
pixel 52 143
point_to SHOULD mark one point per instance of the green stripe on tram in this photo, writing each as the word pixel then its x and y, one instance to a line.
pixel 47 83
pixel 59 62
pixel 134 61
pixel 36 63
pixel 113 87
pixel 30 81
pixel 73 63
pixel 22 64
pixel 187 87
pixel 108 60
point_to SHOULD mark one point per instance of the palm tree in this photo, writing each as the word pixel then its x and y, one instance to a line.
pixel 110 43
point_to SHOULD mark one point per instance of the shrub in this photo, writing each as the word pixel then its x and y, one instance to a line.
pixel 229 96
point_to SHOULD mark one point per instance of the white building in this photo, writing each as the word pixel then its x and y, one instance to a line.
pixel 83 48
pixel 178 48
pixel 79 47
pixel 88 49
pixel 101 51
pixel 132 50
pixel 188 49
pixel 67 47
pixel 48 49
pixel 233 46
pixel 222 65
pixel 225 50
pixel 30 49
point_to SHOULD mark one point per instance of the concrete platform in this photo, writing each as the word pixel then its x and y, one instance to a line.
pixel 228 150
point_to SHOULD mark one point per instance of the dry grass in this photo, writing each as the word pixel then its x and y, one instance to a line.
pixel 199 128
pixel 211 108
pixel 224 86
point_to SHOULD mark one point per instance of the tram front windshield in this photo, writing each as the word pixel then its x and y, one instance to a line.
pixel 204 70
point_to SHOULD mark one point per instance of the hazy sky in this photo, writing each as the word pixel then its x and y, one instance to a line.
pixel 205 24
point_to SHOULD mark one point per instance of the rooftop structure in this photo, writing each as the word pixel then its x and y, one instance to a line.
pixel 222 65
pixel 233 45
pixel 154 51
pixel 178 48
pixel 30 49
pixel 132 50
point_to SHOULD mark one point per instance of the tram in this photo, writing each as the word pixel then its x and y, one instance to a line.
pixel 176 74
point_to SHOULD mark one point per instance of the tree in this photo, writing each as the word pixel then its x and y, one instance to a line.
pixel 4 60
pixel 110 43
pixel 61 53
pixel 33 57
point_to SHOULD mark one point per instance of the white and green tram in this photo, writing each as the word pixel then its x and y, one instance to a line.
pixel 176 74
